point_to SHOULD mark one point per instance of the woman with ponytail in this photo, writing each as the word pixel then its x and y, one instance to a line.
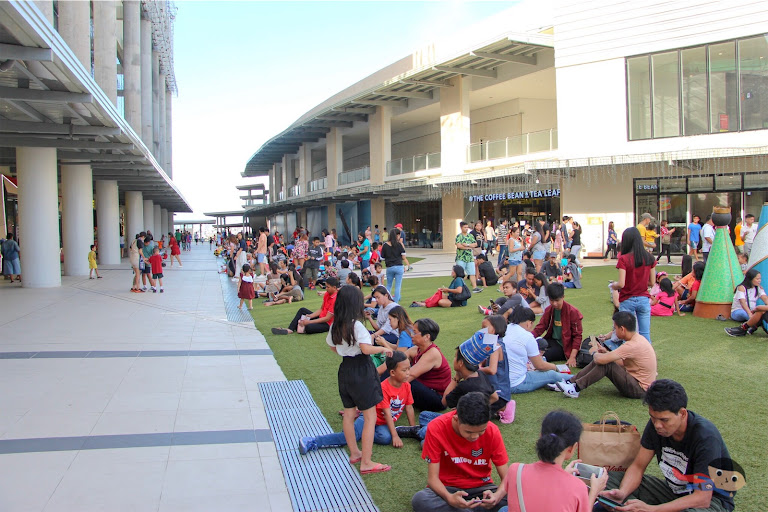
pixel 560 433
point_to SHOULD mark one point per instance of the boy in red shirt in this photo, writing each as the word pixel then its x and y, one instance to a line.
pixel 397 397
pixel 156 263
pixel 460 447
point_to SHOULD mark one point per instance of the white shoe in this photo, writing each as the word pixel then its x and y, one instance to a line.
pixel 553 387
pixel 481 309
pixel 567 388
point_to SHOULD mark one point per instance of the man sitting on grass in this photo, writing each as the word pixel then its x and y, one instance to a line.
pixel 317 321
pixel 505 305
pixel 687 447
pixel 460 447
pixel 560 325
pixel 486 275
pixel 631 367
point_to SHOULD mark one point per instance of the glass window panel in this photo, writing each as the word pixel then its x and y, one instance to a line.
pixel 649 186
pixel 753 68
pixel 696 183
pixel 666 95
pixel 754 181
pixel 728 182
pixel 723 88
pixel 753 202
pixel 695 117
pixel 672 185
pixel 639 98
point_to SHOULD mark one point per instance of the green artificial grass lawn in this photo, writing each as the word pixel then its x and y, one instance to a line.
pixel 725 379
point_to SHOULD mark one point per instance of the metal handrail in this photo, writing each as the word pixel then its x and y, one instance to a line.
pixel 413 163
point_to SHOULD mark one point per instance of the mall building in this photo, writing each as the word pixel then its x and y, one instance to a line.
pixel 86 92
pixel 597 110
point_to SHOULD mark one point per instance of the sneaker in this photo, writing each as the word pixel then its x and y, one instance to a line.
pixel 278 330
pixel 568 388
pixel 552 387
pixel 406 432
pixel 154 290
pixel 477 290
pixel 736 331
pixel 161 290
pixel 482 310
pixel 307 444
pixel 507 415
pixel 143 288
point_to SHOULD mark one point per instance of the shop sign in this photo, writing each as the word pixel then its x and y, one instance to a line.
pixel 528 194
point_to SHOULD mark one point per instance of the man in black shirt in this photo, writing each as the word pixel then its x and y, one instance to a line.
pixel 312 263
pixel 552 268
pixel 486 276
pixel 684 444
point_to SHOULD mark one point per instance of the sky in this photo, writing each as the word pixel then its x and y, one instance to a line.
pixel 247 70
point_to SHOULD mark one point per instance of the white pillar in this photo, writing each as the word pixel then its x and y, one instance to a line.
pixel 161 119
pixel 46 7
pixel 380 143
pixel 157 228
pixel 76 217
pixel 334 157
pixel 134 222
pixel 454 125
pixel 132 72
pixel 38 217
pixel 164 221
pixel 169 133
pixel 156 105
pixel 75 29
pixel 146 83
pixel 108 221
pixel 105 47
pixel 149 216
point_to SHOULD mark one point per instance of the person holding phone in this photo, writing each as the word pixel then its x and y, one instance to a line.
pixel 560 433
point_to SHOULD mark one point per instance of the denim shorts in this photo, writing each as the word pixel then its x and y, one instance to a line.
pixel 514 263
pixel 468 266
pixel 261 258
pixel 539 255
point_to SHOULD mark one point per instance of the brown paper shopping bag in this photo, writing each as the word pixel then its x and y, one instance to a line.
pixel 611 446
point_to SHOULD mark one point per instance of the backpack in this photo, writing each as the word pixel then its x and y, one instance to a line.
pixel 583 357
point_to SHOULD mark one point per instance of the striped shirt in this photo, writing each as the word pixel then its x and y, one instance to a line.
pixel 502 232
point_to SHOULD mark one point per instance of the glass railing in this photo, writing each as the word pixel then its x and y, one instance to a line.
pixel 533 142
pixel 281 196
pixel 414 163
pixel 355 175
pixel 318 184
pixel 294 191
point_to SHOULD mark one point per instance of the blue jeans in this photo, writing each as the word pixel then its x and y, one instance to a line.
pixel 739 315
pixel 394 281
pixel 424 418
pixel 381 435
pixel 503 251
pixel 641 307
pixel 536 380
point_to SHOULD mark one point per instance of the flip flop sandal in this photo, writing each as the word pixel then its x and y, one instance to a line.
pixel 378 468
pixel 721 318
pixel 356 461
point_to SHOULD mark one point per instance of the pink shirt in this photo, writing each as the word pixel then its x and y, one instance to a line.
pixel 539 481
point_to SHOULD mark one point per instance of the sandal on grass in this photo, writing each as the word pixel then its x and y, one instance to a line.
pixel 356 460
pixel 378 468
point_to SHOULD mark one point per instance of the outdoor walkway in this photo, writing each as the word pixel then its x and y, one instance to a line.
pixel 115 401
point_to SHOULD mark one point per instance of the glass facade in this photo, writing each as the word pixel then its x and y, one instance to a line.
pixel 714 88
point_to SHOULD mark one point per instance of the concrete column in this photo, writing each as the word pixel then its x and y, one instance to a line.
pixel 134 222
pixel 380 140
pixel 284 176
pixel 157 228
pixel 38 217
pixel 105 47
pixel 108 221
pixel 161 120
pixel 75 29
pixel 146 83
pixel 272 184
pixel 156 105
pixel 378 213
pixel 46 7
pixel 76 217
pixel 331 216
pixel 453 213
pixel 305 168
pixel 454 126
pixel 334 157
pixel 132 64
pixel 169 133
pixel 164 221
pixel 149 216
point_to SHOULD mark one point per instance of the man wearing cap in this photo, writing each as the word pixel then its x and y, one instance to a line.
pixel 552 269
pixel 645 219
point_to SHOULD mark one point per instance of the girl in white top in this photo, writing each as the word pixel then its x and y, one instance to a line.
pixel 359 384
pixel 746 296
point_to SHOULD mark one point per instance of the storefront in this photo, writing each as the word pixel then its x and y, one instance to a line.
pixel 421 220
pixel 677 199
pixel 518 206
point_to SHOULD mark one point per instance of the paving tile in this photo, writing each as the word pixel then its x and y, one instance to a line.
pixel 226 502
pixel 213 400
pixel 183 478
pixel 134 422
pixel 213 419
pixel 214 451
pixel 27 480
pixel 127 400
pixel 53 425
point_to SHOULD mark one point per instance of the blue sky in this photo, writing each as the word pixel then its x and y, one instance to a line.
pixel 247 70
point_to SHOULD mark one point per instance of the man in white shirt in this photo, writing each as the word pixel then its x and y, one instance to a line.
pixel 707 237
pixel 748 233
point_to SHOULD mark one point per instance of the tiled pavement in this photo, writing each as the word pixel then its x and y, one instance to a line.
pixel 113 401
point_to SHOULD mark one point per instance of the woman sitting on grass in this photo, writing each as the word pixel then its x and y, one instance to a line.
pixel 689 303
pixel 401 323
pixel 541 301
pixel 430 371
pixel 448 299
pixel 745 308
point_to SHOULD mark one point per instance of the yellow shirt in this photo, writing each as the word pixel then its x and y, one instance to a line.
pixel 641 229
pixel 650 236
pixel 737 231
pixel 92 257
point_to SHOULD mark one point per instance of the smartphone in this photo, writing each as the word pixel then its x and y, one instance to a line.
pixel 587 470
pixel 492 303
pixel 609 502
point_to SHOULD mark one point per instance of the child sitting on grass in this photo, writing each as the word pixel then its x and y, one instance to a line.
pixel 665 302
pixel 397 398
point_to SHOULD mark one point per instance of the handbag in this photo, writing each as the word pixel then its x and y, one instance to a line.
pixel 583 357
pixel 666 239
pixel 519 484
pixel 141 264
pixel 465 294
pixel 610 444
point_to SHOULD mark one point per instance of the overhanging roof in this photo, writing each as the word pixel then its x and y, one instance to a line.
pixel 48 99
pixel 418 83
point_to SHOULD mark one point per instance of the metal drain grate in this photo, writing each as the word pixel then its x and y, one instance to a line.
pixel 322 480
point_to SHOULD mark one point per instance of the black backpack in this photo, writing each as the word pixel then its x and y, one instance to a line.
pixel 583 358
